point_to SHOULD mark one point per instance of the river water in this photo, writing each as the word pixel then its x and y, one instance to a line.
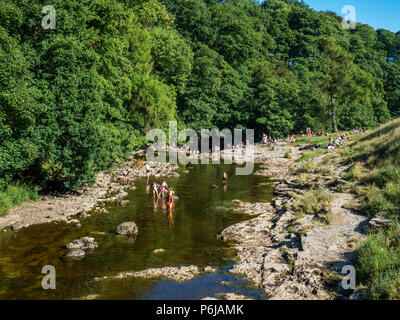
pixel 189 237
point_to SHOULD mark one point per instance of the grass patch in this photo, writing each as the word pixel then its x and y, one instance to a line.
pixel 378 264
pixel 308 167
pixel 288 155
pixel 374 201
pixel 304 181
pixel 355 173
pixel 384 175
pixel 14 195
pixel 311 155
pixel 313 202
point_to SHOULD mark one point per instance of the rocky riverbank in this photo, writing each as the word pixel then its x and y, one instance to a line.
pixel 70 208
pixel 292 256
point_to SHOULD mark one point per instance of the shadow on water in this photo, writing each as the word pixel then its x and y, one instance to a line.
pixel 188 237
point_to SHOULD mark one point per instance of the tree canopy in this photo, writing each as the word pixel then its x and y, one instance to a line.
pixel 75 99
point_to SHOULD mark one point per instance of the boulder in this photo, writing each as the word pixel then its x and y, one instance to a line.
pixel 381 220
pixel 127 228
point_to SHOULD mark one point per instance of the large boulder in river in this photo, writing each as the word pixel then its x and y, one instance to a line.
pixel 127 228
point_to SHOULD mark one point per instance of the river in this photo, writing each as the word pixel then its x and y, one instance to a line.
pixel 189 237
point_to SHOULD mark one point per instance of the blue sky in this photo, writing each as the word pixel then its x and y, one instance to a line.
pixel 377 13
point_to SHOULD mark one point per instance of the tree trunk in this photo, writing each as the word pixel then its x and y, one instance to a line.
pixel 334 126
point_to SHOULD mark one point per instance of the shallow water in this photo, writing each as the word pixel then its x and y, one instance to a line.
pixel 189 237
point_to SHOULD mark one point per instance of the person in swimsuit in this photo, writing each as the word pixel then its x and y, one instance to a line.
pixel 163 189
pixel 126 173
pixel 171 200
pixel 155 190
pixel 225 178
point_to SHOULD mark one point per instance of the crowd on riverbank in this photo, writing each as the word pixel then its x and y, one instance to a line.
pixel 335 140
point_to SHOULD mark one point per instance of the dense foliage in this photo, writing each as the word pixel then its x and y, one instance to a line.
pixel 77 98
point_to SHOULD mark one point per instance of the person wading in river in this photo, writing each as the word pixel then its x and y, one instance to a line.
pixel 224 178
pixel 171 200
pixel 163 189
pixel 155 190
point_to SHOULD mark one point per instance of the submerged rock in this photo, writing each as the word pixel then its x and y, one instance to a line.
pixel 127 228
pixel 76 254
pixel 79 247
pixel 85 243
pixel 159 250
pixel 179 274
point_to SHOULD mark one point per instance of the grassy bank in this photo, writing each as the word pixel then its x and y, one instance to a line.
pixel 14 195
pixel 374 176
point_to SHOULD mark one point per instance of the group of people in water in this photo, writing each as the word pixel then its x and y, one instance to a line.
pixel 162 192
pixel 166 195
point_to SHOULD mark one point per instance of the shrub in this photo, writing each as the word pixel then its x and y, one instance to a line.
pixel 14 195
